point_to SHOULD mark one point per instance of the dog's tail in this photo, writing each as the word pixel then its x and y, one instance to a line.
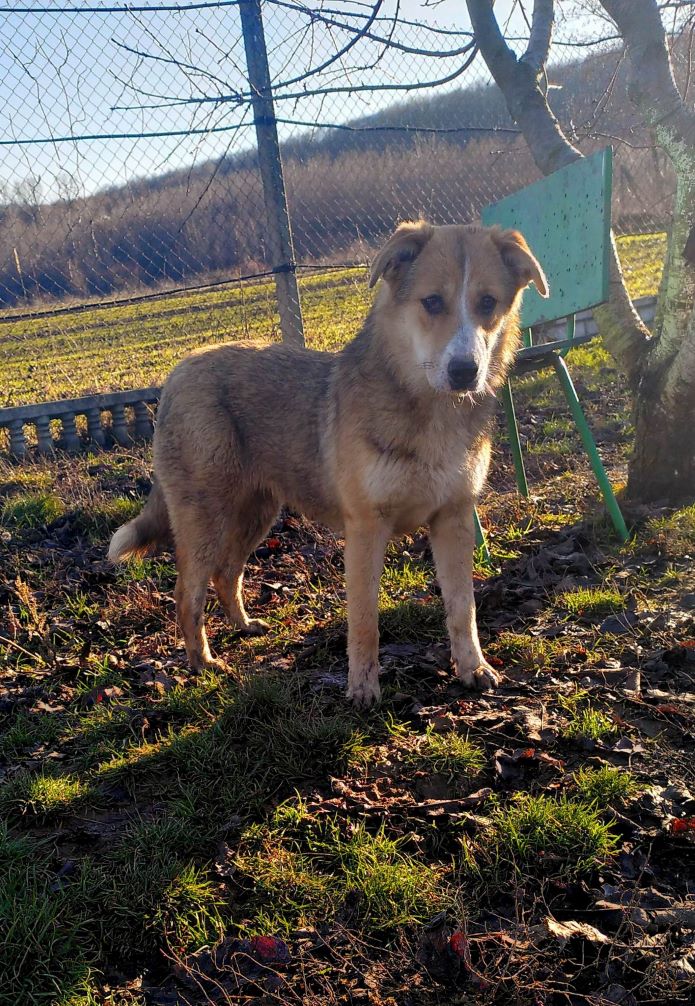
pixel 146 532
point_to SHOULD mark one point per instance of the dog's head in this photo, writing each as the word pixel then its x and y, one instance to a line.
pixel 451 296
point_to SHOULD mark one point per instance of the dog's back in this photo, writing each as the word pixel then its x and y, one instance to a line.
pixel 231 415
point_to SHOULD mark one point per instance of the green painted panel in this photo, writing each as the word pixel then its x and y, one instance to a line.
pixel 566 219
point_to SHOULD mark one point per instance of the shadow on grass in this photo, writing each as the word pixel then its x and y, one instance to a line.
pixel 118 842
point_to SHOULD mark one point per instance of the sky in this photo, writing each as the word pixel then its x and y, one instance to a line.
pixel 66 73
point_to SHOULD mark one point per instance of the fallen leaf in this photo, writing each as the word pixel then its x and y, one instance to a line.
pixel 511 765
pixel 100 694
pixel 458 943
pixel 575 930
pixel 270 949
pixel 682 825
pixel 627 746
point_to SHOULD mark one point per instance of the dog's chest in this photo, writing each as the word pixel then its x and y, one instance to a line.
pixel 409 481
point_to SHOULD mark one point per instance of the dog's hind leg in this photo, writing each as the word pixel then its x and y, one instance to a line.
pixel 247 525
pixel 194 527
pixel 190 594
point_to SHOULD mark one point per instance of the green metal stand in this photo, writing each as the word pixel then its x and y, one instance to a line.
pixel 480 538
pixel 514 443
pixel 590 447
pixel 566 219
pixel 569 335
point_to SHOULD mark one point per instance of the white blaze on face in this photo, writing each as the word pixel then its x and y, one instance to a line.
pixel 468 343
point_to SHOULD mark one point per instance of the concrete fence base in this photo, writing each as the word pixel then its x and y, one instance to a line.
pixel 585 324
pixel 141 401
pixel 95 408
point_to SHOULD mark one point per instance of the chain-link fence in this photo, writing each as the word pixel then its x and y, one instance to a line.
pixel 132 215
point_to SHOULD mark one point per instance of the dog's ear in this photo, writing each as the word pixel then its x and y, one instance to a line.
pixel 520 260
pixel 402 248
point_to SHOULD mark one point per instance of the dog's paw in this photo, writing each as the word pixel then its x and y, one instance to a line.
pixel 482 677
pixel 208 663
pixel 254 627
pixel 364 691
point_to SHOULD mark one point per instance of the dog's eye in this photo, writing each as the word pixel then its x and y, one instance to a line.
pixel 487 304
pixel 433 304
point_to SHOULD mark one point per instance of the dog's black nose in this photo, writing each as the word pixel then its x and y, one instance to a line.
pixel 462 373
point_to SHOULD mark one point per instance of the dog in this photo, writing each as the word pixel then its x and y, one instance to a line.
pixel 389 434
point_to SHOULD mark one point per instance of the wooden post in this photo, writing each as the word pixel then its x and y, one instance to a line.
pixel 279 230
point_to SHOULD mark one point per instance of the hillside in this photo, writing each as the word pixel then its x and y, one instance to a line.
pixel 345 190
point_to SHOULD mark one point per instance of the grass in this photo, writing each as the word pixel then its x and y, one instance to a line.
pixel 562 447
pixel 305 872
pixel 134 346
pixel 448 753
pixel 672 535
pixel 50 945
pixel 591 602
pixel 26 731
pixel 605 786
pixel 642 257
pixel 584 721
pixel 31 510
pixel 246 761
pixel 529 652
pixel 104 517
pixel 552 837
pixel 40 795
pixel 153 895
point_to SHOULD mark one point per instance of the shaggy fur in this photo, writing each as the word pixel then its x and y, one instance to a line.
pixel 374 441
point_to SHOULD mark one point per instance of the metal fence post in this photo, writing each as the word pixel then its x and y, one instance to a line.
pixel 279 230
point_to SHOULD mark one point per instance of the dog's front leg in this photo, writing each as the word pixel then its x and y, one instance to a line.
pixel 452 537
pixel 365 543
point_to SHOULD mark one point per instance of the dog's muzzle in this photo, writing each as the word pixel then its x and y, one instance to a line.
pixel 462 372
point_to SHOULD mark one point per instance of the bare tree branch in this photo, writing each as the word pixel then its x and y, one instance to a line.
pixel 536 54
pixel 652 85
pixel 518 81
pixel 359 34
pixel 321 17
pixel 171 101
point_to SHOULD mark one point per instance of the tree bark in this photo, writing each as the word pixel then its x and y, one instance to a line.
pixel 662 466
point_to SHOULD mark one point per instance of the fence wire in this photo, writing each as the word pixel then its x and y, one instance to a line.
pixel 129 174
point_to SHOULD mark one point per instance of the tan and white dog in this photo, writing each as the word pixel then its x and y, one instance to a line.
pixel 387 435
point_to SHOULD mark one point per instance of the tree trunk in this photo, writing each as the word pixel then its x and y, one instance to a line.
pixel 663 461
pixel 662 466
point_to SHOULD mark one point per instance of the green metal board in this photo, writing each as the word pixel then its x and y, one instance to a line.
pixel 566 220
